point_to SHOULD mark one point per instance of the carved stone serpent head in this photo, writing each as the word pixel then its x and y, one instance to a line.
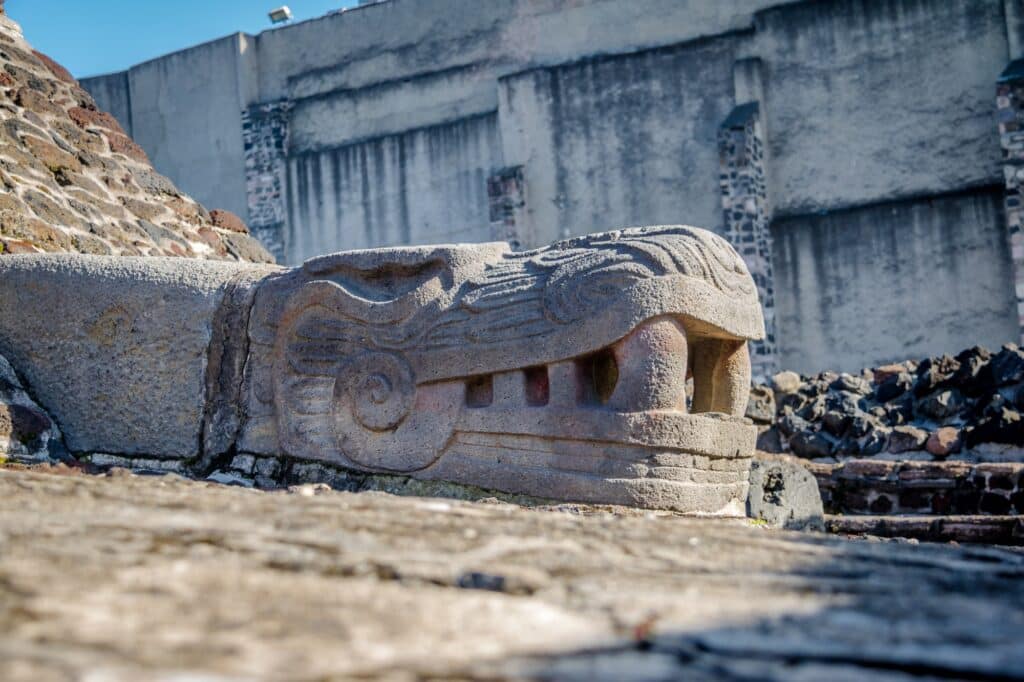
pixel 610 368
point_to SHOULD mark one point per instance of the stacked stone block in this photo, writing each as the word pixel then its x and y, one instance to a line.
pixel 265 140
pixel 967 406
pixel 947 488
pixel 745 205
pixel 506 197
pixel 1010 116
pixel 72 180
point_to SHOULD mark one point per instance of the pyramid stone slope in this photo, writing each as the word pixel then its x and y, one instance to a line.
pixel 71 180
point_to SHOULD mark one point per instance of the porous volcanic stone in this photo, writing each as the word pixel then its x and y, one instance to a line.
pixel 944 442
pixel 786 382
pixel 228 221
pixel 784 494
pixel 904 438
pixel 116 349
pixel 27 434
pixel 761 406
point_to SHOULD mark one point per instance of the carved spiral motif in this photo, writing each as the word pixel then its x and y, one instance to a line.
pixel 378 387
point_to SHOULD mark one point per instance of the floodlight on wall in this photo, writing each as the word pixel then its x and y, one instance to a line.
pixel 280 15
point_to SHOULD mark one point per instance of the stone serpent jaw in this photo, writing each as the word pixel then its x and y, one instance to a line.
pixel 560 372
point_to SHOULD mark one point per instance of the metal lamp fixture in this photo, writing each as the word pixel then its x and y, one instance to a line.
pixel 280 15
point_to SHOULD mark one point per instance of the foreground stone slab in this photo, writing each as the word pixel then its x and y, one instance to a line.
pixel 559 373
pixel 126 578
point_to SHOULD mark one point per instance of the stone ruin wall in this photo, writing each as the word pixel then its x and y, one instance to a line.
pixel 72 180
pixel 876 233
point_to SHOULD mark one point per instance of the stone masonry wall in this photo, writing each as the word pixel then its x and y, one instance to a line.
pixel 946 488
pixel 506 190
pixel 744 203
pixel 72 180
pixel 265 138
pixel 1010 115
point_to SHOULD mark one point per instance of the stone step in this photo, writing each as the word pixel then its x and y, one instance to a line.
pixel 987 529
pixel 870 486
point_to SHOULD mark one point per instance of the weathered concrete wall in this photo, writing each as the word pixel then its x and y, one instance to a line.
pixel 873 100
pixel 400 39
pixel 184 110
pixel 396 115
pixel 342 116
pixel 621 140
pixel 381 69
pixel 113 95
pixel 892 281
pixel 426 185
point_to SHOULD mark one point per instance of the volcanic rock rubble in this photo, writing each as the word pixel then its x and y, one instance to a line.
pixel 966 407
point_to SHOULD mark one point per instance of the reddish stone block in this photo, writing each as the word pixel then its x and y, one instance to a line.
pixel 944 442
pixel 51 156
pixel 56 69
pixel 89 117
pixel 122 144
pixel 226 220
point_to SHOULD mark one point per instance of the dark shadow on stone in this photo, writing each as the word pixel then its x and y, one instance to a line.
pixel 899 612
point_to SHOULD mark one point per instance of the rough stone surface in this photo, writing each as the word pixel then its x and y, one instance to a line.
pixel 786 382
pixel 116 349
pixel 27 434
pixel 228 221
pixel 944 442
pixel 126 578
pixel 993 530
pixel 784 494
pixel 72 180
pixel 864 486
pixel 558 373
pixel 904 438
pixel 747 216
pixel 966 407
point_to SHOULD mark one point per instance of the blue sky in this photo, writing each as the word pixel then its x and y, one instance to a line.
pixel 91 37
